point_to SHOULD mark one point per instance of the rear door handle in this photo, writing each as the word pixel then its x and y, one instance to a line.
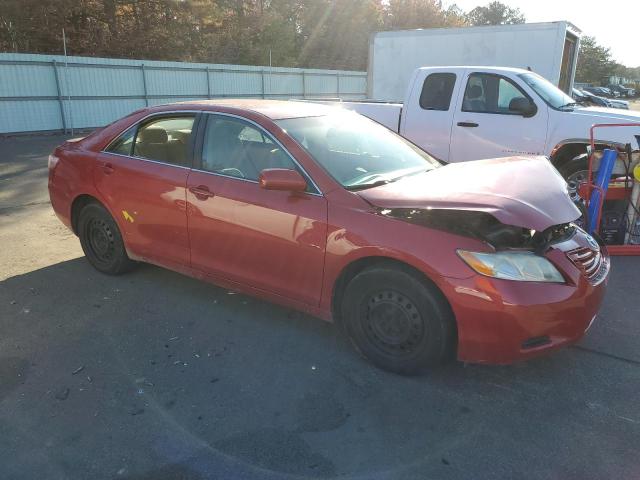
pixel 107 168
pixel 201 192
pixel 467 124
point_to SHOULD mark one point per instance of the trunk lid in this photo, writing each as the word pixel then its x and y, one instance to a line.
pixel 525 192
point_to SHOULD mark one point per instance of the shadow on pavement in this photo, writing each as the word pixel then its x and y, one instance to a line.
pixel 154 375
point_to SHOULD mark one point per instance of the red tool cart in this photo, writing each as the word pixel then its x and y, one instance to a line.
pixel 622 190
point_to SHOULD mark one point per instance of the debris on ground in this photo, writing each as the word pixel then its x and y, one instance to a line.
pixel 62 394
pixel 78 370
pixel 136 411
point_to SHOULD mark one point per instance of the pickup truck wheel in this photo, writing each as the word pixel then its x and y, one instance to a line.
pixel 576 172
pixel 101 240
pixel 397 321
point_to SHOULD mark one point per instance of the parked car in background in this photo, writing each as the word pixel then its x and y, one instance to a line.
pixel 583 98
pixel 323 210
pixel 589 97
pixel 622 90
pixel 602 92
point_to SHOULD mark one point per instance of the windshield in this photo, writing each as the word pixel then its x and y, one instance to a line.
pixel 551 94
pixel 356 151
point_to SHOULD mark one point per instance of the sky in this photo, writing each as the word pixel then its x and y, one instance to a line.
pixel 614 23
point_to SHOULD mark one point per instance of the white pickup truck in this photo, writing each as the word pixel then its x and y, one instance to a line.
pixel 469 113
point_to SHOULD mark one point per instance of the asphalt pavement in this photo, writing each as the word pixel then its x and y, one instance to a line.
pixel 157 376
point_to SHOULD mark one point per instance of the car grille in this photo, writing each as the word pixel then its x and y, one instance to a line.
pixel 591 263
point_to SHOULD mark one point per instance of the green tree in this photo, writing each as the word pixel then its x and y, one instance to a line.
pixel 411 14
pixel 594 61
pixel 495 13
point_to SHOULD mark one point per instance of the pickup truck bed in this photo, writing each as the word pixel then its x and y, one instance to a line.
pixel 388 114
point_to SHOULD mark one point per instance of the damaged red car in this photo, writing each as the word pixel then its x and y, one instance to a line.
pixel 325 211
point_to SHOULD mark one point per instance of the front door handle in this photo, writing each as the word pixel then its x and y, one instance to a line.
pixel 201 192
pixel 468 124
pixel 107 168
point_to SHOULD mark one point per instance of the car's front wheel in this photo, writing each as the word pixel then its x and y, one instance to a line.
pixel 397 320
pixel 101 240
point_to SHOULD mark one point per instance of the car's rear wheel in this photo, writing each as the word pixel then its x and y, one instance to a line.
pixel 101 240
pixel 397 320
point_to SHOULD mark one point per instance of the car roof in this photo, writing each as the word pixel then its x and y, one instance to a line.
pixel 274 109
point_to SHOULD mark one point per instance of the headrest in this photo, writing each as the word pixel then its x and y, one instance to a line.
pixel 474 92
pixel 154 135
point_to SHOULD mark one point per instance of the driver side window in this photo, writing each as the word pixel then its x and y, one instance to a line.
pixel 235 148
pixel 490 93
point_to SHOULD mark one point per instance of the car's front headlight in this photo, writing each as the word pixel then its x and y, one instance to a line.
pixel 518 266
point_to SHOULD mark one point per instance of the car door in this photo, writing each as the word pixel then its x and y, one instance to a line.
pixel 142 176
pixel 485 127
pixel 429 110
pixel 266 239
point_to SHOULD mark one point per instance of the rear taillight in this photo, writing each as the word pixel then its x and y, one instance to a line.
pixel 53 161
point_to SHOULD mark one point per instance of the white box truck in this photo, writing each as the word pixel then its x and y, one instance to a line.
pixel 549 49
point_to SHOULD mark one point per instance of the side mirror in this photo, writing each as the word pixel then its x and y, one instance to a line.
pixel 282 179
pixel 523 106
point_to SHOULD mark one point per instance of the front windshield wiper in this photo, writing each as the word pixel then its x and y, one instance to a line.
pixel 377 183
pixel 363 186
pixel 569 105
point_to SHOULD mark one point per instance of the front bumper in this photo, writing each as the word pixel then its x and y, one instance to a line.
pixel 502 321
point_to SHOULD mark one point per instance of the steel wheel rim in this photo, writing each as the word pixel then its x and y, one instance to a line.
pixel 101 240
pixel 573 184
pixel 392 323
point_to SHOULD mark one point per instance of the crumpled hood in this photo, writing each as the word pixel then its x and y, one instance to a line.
pixel 524 192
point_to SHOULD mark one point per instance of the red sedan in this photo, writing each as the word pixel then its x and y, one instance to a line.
pixel 327 212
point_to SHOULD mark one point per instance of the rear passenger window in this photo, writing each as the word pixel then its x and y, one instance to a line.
pixel 165 140
pixel 123 144
pixel 233 147
pixel 437 91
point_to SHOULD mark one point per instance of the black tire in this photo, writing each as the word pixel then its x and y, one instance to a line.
pixel 101 240
pixel 397 321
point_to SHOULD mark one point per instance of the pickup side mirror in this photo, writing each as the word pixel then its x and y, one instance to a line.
pixel 523 106
pixel 282 179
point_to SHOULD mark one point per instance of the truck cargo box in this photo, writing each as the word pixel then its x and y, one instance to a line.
pixel 549 49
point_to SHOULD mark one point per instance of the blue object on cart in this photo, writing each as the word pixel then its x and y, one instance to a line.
pixel 602 182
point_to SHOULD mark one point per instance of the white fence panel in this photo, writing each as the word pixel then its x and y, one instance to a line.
pixel 50 92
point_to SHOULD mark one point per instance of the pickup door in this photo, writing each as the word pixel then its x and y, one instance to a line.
pixel 460 115
pixel 429 110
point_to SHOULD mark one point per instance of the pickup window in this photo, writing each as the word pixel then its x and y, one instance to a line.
pixel 437 91
pixel 490 93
